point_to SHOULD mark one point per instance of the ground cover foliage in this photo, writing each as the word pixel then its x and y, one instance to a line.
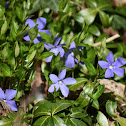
pixel 59 64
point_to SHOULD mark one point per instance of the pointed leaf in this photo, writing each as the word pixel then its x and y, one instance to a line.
pixel 17 49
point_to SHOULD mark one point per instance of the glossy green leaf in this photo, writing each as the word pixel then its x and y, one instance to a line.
pixel 78 18
pixel 88 88
pixel 118 22
pixel 95 104
pixel 74 122
pixel 4 27
pixel 122 121
pixel 6 122
pixel 80 81
pixel 2 10
pixel 83 100
pixel 42 121
pixel 58 121
pixel 90 67
pixel 31 56
pixel 77 113
pixel 99 91
pixel 110 108
pixel 101 119
pixel 57 107
pixel 88 39
pixel 20 13
pixel 88 14
pixel 5 70
pixel 17 49
pixel 93 29
pixel 45 55
pixel 46 37
pixel 33 32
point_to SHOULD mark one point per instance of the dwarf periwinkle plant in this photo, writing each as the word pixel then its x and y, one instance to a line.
pixel 62 63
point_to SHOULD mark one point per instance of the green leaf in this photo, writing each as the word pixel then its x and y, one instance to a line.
pixel 93 29
pixel 99 91
pixel 89 15
pixel 20 13
pixel 56 107
pixel 33 32
pixel 90 67
pixel 77 113
pixel 78 18
pixel 58 121
pixel 110 108
pixel 122 121
pixel 80 81
pixel 74 122
pixel 88 88
pixel 105 19
pixel 2 10
pixel 83 100
pixel 95 104
pixel 118 22
pixel 42 121
pixel 45 36
pixel 4 28
pixel 121 10
pixel 31 56
pixel 88 39
pixel 45 55
pixel 17 49
pixel 5 70
pixel 6 122
pixel 101 119
pixel 52 4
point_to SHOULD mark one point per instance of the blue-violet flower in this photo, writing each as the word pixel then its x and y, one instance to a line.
pixel 41 24
pixel 112 67
pixel 55 48
pixel 7 96
pixel 60 82
pixel 70 60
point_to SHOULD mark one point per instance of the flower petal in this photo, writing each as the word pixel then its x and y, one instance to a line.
pixel 110 58
pixel 48 59
pixel 72 45
pixel 69 81
pixel 109 73
pixel 48 46
pixel 62 74
pixel 55 51
pixel 38 39
pixel 119 71
pixel 53 78
pixel 26 37
pixel 12 105
pixel 103 64
pixel 61 50
pixel 2 95
pixel 70 61
pixel 10 94
pixel 51 88
pixel 57 41
pixel 119 62
pixel 41 22
pixel 31 23
pixel 46 31
pixel 64 90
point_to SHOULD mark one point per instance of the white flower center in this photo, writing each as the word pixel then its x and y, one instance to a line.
pixel 5 100
pixel 60 82
pixel 111 67
pixel 72 53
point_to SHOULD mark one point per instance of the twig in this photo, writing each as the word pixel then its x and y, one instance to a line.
pixel 108 40
pixel 76 4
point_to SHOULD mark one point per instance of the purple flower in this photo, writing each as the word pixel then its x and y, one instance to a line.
pixel 41 24
pixel 55 48
pixel 60 82
pixel 70 60
pixel 7 5
pixel 7 96
pixel 112 66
